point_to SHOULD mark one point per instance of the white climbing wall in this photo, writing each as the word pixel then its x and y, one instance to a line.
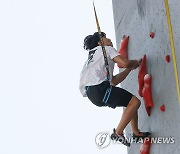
pixel 137 18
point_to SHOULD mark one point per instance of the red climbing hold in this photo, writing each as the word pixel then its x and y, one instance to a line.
pixel 145 147
pixel 147 93
pixel 148 110
pixel 151 34
pixel 168 58
pixel 124 48
pixel 141 74
pixel 162 108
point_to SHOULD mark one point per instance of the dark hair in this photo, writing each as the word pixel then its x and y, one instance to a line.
pixel 91 41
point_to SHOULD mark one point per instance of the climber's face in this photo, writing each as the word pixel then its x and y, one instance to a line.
pixel 107 42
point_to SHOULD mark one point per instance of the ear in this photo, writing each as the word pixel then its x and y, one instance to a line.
pixel 99 43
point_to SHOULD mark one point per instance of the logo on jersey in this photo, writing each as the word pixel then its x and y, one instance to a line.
pixel 90 56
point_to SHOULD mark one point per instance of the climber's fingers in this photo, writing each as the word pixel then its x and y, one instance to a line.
pixel 139 61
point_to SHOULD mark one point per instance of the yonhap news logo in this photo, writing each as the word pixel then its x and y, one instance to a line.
pixel 155 140
pixel 103 139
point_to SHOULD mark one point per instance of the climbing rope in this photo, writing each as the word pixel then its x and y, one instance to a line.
pixel 172 48
pixel 102 44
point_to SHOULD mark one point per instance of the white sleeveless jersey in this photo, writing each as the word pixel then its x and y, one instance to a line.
pixel 94 71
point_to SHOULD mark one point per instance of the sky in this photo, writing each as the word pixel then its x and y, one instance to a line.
pixel 41 57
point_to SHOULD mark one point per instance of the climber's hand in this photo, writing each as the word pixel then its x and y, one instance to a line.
pixel 139 61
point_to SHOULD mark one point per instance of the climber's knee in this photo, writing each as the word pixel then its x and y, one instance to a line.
pixel 135 102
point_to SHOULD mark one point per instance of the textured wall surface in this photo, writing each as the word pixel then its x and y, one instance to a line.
pixel 137 18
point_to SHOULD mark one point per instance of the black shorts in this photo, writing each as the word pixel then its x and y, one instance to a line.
pixel 105 94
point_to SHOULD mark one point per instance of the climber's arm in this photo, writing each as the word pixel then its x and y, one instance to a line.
pixel 120 77
pixel 133 64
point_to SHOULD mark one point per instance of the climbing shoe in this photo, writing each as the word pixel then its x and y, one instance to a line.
pixel 119 138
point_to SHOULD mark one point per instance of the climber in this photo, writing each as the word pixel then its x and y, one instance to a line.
pixel 102 91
